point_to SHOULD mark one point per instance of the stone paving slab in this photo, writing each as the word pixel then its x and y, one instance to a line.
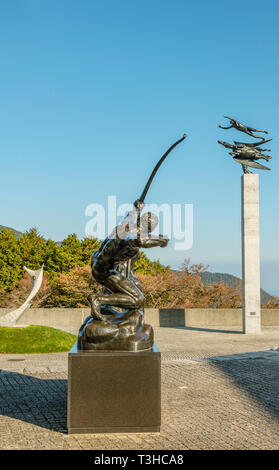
pixel 219 391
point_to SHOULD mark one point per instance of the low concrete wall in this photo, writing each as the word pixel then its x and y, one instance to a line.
pixel 203 317
pixel 270 317
pixel 164 317
pixel 72 317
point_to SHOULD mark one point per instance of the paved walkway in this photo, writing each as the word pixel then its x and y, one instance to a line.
pixel 219 391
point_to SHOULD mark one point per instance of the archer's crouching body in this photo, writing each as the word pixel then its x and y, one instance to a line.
pixel 117 315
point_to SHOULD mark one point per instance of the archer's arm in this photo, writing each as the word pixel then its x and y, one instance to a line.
pixel 147 242
pixel 222 127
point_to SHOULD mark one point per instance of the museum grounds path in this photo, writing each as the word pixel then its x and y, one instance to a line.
pixel 219 391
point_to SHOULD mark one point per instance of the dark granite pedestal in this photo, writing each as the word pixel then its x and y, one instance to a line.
pixel 110 391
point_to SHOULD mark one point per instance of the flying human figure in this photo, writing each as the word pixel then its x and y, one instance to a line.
pixel 242 128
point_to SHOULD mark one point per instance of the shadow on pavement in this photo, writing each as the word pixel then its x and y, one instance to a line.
pixel 176 318
pixel 212 330
pixel 257 374
pixel 42 402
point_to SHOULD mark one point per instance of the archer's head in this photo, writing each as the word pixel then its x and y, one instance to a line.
pixel 143 226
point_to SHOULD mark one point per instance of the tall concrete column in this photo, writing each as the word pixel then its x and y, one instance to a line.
pixel 251 296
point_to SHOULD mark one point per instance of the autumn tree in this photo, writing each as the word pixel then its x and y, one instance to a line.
pixel 184 289
pixel 71 290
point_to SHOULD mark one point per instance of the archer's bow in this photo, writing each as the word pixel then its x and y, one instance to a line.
pixel 147 186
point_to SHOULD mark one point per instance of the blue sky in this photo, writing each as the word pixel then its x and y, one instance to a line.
pixel 93 92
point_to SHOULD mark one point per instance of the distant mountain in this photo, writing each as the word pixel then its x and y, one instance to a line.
pixel 231 280
pixel 16 232
pixel 210 278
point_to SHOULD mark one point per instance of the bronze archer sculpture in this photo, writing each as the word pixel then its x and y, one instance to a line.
pixel 116 321
pixel 115 252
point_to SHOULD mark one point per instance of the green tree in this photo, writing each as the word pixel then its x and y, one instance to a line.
pixel 88 246
pixel 32 248
pixel 56 260
pixel 145 266
pixel 71 246
pixel 10 261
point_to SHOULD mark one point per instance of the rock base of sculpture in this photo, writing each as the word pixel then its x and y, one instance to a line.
pixel 114 392
pixel 123 331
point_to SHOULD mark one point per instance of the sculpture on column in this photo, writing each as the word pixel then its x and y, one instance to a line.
pixel 244 153
pixel 116 321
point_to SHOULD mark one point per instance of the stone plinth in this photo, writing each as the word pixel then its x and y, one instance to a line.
pixel 110 391
pixel 251 303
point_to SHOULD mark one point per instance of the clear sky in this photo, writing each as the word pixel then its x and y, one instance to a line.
pixel 93 92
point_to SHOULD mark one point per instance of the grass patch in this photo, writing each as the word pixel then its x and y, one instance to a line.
pixel 34 339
